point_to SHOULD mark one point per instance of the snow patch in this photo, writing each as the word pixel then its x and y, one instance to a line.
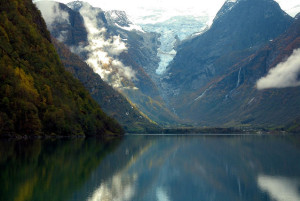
pixel 227 7
pixel 131 27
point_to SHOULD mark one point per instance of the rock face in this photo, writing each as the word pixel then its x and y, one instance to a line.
pixel 222 90
pixel 119 51
pixel 239 29
pixel 208 83
pixel 233 98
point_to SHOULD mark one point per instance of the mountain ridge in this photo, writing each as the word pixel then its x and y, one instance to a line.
pixel 239 30
pixel 232 98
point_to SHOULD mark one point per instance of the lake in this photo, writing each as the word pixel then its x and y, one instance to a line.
pixel 152 168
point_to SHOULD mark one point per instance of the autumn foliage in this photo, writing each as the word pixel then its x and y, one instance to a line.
pixel 37 95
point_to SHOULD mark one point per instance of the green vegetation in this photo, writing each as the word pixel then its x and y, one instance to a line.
pixel 37 95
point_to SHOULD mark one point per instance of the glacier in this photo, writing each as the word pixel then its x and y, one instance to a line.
pixel 172 32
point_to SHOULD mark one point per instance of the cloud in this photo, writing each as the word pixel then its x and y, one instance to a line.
pixel 102 50
pixel 115 46
pixel 51 13
pixel 285 74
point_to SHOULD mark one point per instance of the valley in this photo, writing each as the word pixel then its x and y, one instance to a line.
pixel 187 70
pixel 149 100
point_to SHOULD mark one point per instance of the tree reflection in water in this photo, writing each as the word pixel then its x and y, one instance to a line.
pixel 45 170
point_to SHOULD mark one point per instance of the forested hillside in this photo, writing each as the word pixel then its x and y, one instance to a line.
pixel 37 95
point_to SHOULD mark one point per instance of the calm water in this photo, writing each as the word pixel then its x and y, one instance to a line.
pixel 152 168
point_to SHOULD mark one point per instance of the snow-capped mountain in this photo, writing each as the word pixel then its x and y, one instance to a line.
pixel 120 19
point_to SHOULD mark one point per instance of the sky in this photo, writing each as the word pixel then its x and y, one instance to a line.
pixel 137 9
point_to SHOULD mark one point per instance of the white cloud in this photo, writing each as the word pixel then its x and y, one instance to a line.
pixel 102 51
pixel 115 46
pixel 285 74
pixel 52 13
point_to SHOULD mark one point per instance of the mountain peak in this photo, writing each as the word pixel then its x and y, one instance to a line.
pixel 227 6
pixel 240 28
pixel 118 17
pixel 248 11
pixel 77 5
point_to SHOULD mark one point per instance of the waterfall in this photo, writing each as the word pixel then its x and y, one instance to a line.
pixel 237 85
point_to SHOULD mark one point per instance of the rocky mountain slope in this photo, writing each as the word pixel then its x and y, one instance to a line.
pixel 38 97
pixel 117 50
pixel 112 102
pixel 213 78
pixel 238 30
pixel 224 82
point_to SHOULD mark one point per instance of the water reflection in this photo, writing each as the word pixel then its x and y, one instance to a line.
pixel 171 168
pixel 161 194
pixel 147 168
pixel 38 170
pixel 119 187
pixel 280 188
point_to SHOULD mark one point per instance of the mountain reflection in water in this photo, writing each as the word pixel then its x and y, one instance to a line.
pixel 162 168
pixel 167 168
